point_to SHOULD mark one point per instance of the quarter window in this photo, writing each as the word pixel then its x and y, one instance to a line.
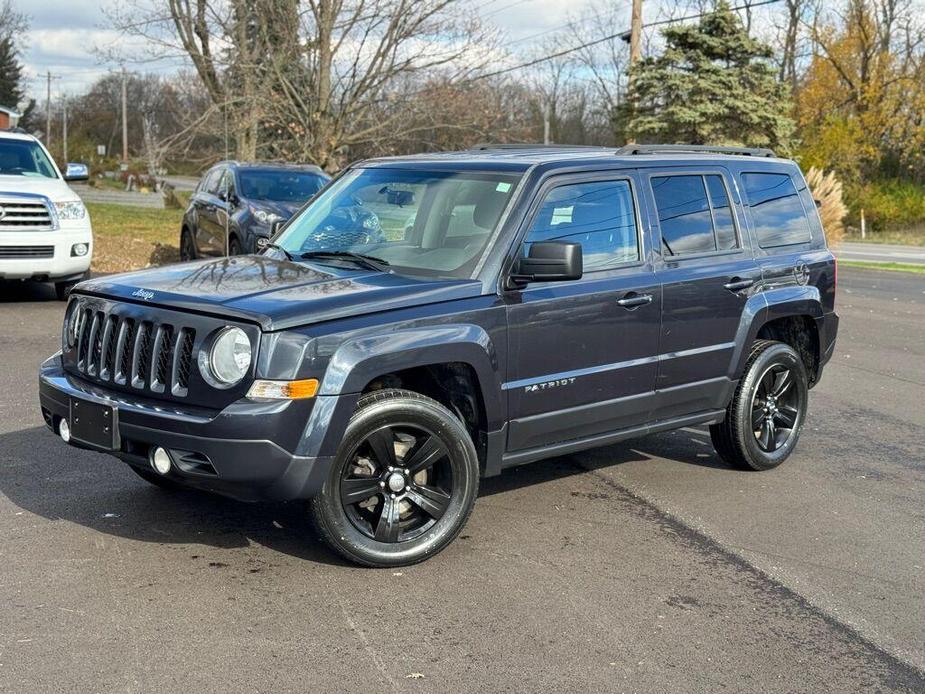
pixel 694 214
pixel 776 210
pixel 599 215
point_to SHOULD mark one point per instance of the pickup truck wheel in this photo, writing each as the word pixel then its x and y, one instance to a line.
pixel 764 419
pixel 402 484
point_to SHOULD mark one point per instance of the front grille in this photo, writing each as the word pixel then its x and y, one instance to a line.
pixel 18 215
pixel 146 355
pixel 27 251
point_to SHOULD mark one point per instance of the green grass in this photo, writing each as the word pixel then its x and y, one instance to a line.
pixel 898 267
pixel 130 238
pixel 912 237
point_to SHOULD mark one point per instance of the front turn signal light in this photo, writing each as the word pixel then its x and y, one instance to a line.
pixel 284 390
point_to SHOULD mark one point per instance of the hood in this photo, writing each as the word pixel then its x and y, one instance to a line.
pixel 54 188
pixel 276 294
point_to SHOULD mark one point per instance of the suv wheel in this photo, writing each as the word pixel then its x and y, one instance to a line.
pixel 764 419
pixel 403 483
pixel 187 246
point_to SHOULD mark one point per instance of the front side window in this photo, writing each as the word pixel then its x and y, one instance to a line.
pixel 211 182
pixel 776 210
pixel 429 223
pixel 279 186
pixel 694 214
pixel 24 158
pixel 599 215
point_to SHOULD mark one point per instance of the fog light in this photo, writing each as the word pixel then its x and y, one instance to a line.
pixel 160 460
pixel 64 430
pixel 79 249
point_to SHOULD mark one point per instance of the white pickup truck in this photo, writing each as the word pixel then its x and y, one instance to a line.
pixel 45 231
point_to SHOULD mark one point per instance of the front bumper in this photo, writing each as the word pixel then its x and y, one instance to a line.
pixel 233 452
pixel 62 266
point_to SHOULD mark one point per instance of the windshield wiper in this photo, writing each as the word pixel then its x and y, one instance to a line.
pixel 277 247
pixel 370 262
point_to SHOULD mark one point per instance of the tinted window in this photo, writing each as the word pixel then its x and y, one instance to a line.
pixel 722 214
pixel 684 214
pixel 599 215
pixel 777 212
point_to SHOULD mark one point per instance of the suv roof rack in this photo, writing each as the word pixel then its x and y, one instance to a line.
pixel 704 149
pixel 483 146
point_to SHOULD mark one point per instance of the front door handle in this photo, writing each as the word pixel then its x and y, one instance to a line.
pixel 632 300
pixel 737 284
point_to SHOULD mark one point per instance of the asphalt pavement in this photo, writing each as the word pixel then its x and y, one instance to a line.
pixel 643 567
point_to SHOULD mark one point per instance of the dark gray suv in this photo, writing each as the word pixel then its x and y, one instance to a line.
pixel 515 303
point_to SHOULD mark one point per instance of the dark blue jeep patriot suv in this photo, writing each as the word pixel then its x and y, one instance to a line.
pixel 515 303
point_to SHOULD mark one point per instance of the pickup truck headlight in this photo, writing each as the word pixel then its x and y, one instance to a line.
pixel 73 209
pixel 226 361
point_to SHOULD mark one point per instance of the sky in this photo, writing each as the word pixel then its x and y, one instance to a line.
pixel 64 36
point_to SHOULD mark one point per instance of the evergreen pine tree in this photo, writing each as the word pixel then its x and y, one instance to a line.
pixel 712 85
pixel 11 81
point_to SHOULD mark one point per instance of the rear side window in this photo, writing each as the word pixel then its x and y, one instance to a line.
pixel 776 210
pixel 599 215
pixel 694 214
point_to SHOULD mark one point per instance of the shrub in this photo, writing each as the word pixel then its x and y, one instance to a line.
pixel 827 192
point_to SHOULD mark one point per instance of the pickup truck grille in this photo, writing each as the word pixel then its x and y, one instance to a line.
pixel 146 355
pixel 27 251
pixel 21 215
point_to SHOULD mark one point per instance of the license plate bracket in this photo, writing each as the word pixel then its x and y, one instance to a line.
pixel 94 424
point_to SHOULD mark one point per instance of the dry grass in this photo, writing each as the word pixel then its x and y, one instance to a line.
pixel 827 191
pixel 131 238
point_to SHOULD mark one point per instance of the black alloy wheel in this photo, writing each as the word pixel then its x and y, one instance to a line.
pixel 764 419
pixel 403 483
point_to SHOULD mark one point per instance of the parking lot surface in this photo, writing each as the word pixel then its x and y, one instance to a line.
pixel 646 566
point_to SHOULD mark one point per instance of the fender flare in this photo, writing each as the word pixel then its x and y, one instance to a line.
pixel 361 359
pixel 769 305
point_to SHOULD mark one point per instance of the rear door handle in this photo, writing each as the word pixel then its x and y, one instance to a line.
pixel 739 283
pixel 632 300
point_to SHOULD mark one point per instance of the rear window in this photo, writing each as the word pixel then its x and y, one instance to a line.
pixel 694 214
pixel 776 210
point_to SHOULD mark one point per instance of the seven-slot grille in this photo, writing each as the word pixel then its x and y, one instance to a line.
pixel 143 354
pixel 18 215
pixel 27 251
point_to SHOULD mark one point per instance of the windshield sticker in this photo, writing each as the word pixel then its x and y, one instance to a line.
pixel 562 215
pixel 503 187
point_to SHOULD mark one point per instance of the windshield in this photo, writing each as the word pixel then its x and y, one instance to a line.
pixel 24 158
pixel 279 186
pixel 431 223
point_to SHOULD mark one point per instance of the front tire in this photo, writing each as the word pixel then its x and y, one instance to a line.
pixel 63 289
pixel 187 245
pixel 403 482
pixel 764 419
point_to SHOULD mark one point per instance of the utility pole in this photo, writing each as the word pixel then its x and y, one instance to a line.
pixel 48 112
pixel 635 48
pixel 124 115
pixel 64 127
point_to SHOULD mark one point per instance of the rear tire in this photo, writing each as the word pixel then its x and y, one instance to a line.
pixel 764 419
pixel 403 482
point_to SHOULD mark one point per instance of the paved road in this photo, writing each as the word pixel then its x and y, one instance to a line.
pixel 643 567
pixel 882 253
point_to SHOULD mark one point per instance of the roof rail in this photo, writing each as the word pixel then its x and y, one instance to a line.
pixel 526 145
pixel 705 149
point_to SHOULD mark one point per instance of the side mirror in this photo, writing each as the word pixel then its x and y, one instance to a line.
pixel 262 242
pixel 76 172
pixel 549 261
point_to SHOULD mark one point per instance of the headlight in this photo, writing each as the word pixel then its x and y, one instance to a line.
pixel 265 217
pixel 226 362
pixel 71 210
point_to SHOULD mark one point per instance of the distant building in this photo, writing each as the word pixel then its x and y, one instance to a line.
pixel 9 117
